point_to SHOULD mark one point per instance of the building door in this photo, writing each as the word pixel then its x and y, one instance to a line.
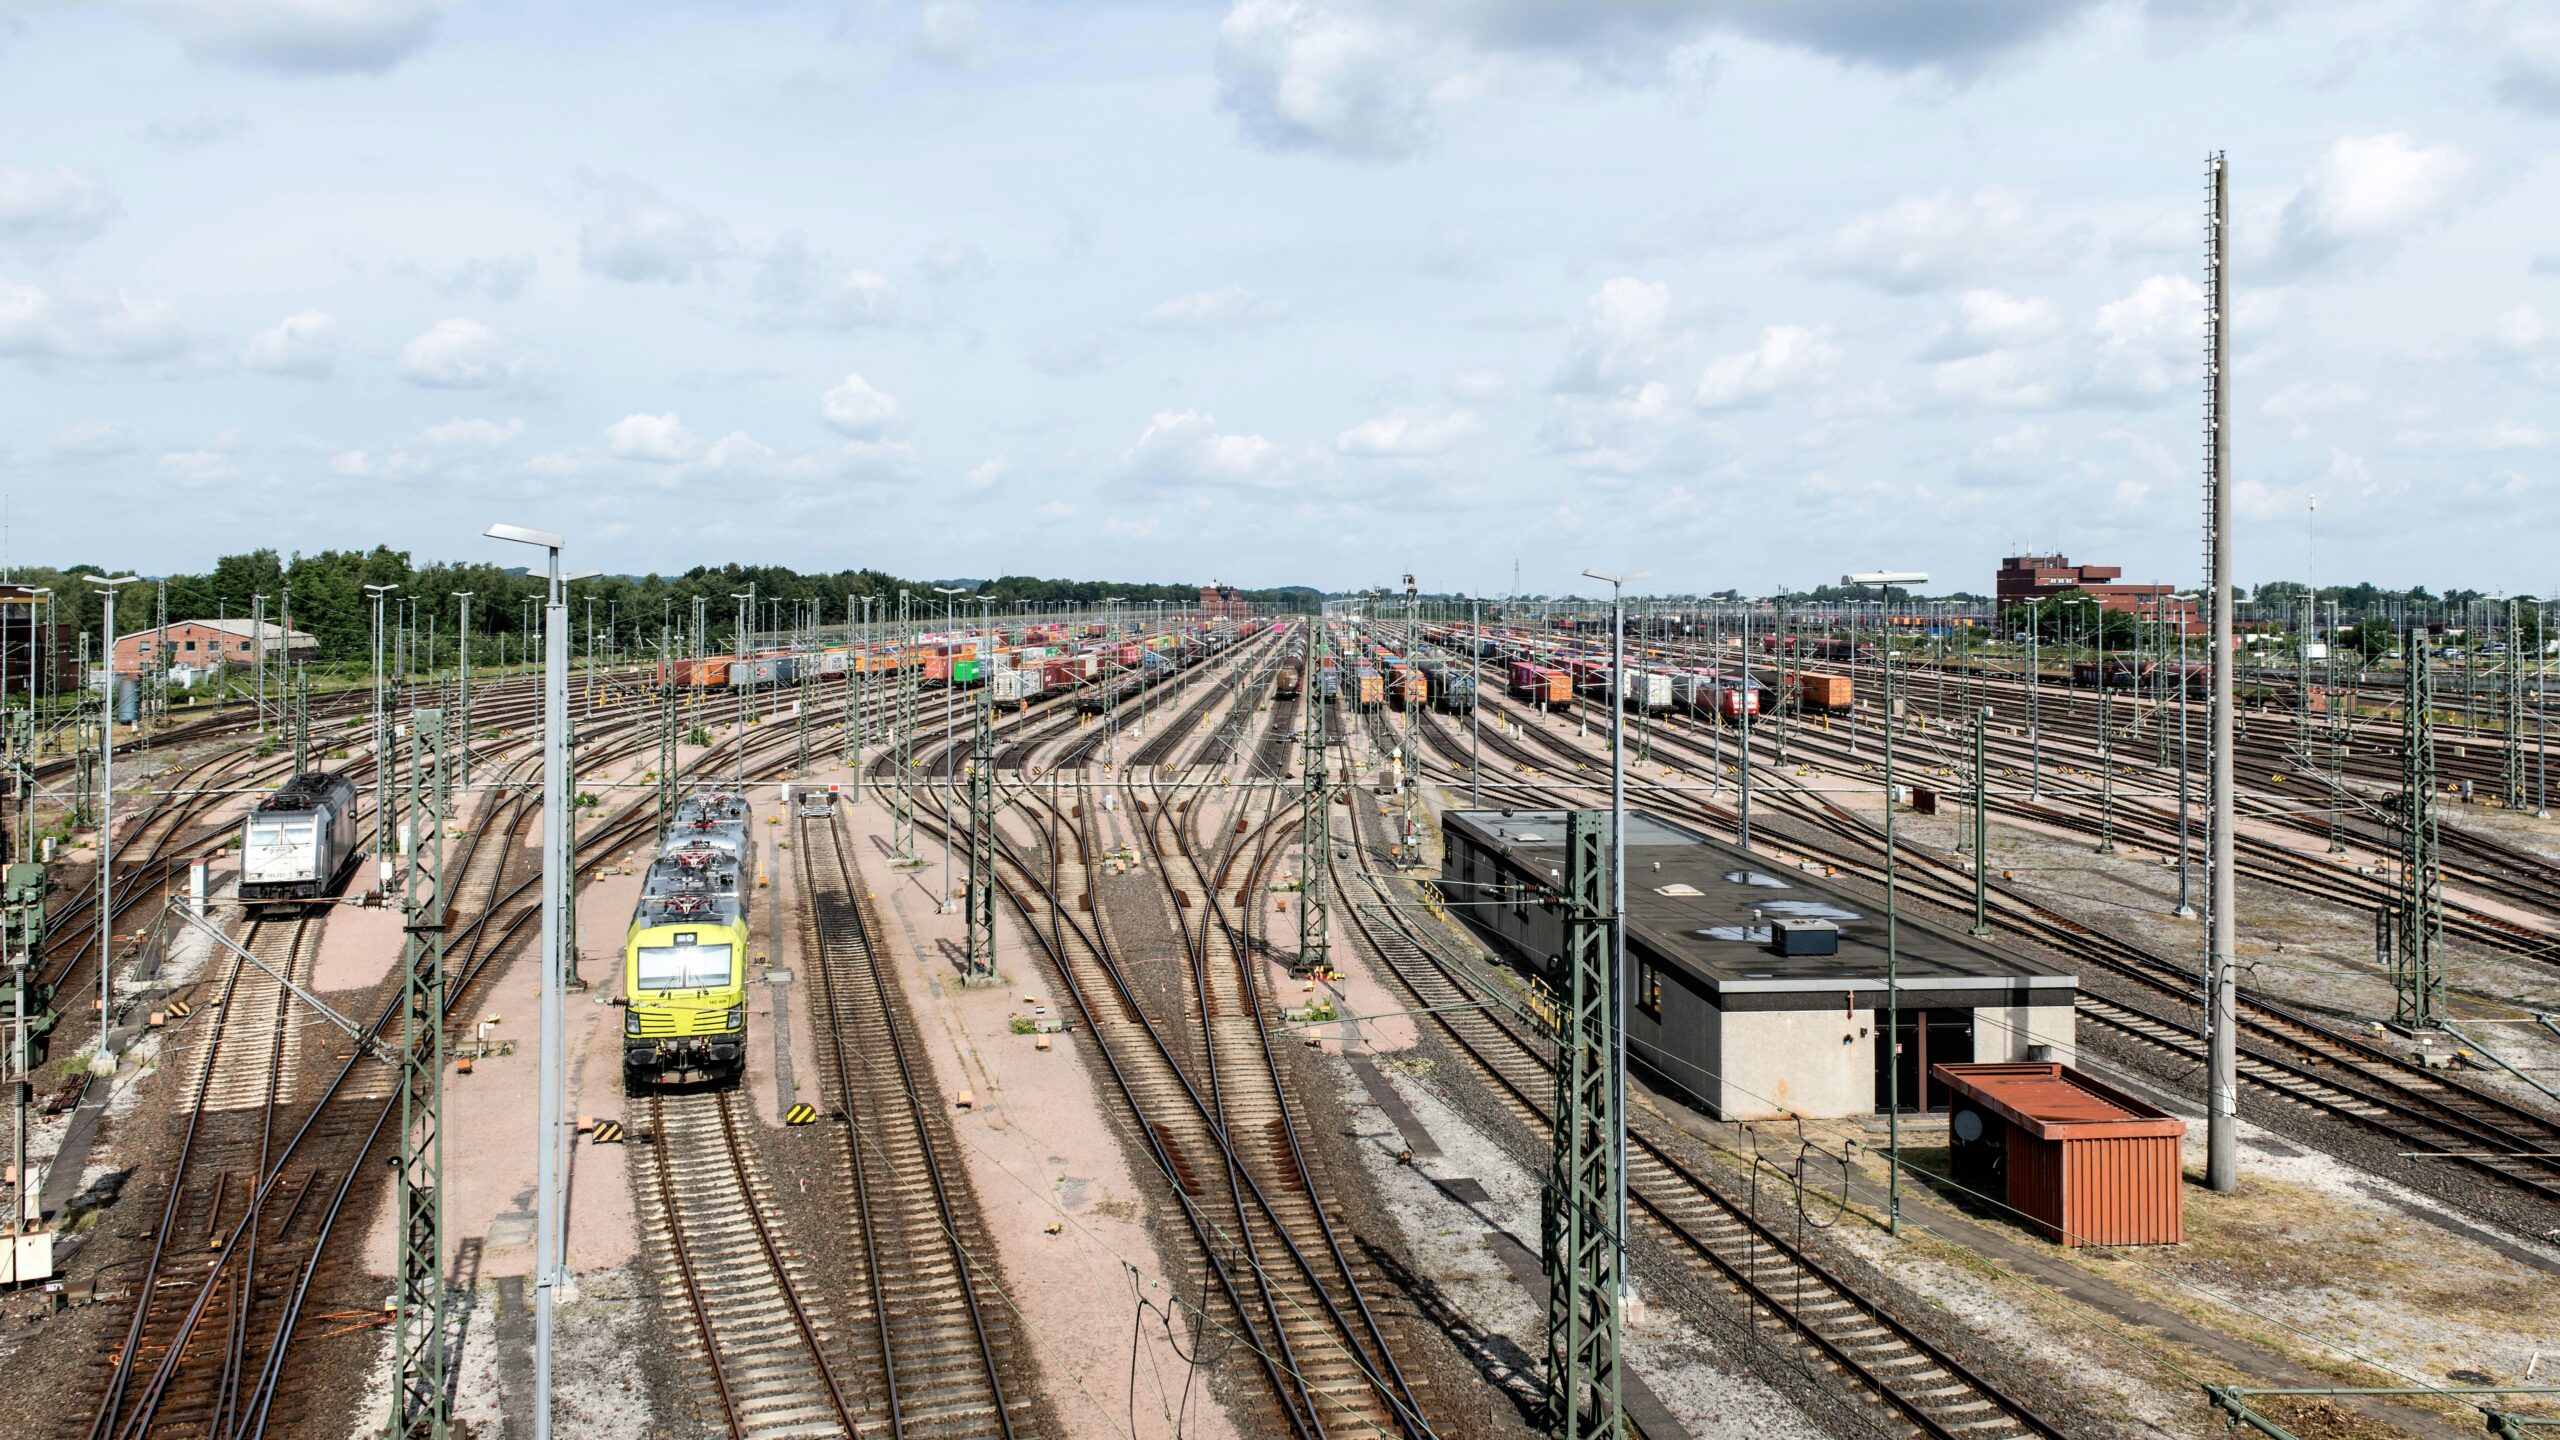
pixel 1925 1038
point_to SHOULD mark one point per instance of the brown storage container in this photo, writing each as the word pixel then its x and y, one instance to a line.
pixel 1825 692
pixel 2082 1162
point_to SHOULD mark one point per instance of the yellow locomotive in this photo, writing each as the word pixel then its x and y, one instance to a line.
pixel 684 967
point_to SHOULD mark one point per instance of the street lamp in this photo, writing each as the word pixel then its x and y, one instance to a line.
pixel 1886 580
pixel 107 825
pixel 1618 896
pixel 463 703
pixel 381 749
pixel 550 1271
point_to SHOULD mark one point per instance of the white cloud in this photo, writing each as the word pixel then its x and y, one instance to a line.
pixel 2150 341
pixel 1478 385
pixel 467 433
pixel 798 288
pixel 1215 312
pixel 661 439
pixel 2297 403
pixel 1987 320
pixel 1072 355
pixel 494 277
pixel 1995 379
pixel 2520 331
pixel 1928 242
pixel 1185 448
pixel 954 262
pixel 75 325
pixel 459 354
pixel 1787 356
pixel 949 32
pixel 194 469
pixel 877 460
pixel 95 439
pixel 1407 432
pixel 2367 190
pixel 46 212
pixel 1621 330
pixel 985 475
pixel 305 344
pixel 1311 75
pixel 858 409
pixel 194 132
pixel 640 236
pixel 309 35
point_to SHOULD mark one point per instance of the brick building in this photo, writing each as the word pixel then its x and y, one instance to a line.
pixel 1221 602
pixel 2026 579
pixel 199 644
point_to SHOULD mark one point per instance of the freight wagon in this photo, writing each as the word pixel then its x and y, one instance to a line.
pixel 1828 694
pixel 1407 687
pixel 1328 684
pixel 1286 681
pixel 1368 688
pixel 1542 685
pixel 1018 684
pixel 763 670
pixel 711 673
pixel 1646 689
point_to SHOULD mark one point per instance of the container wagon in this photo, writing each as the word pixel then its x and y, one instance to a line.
pixel 1828 694
pixel 1540 684
pixel 300 842
pixel 1328 685
pixel 1409 687
pixel 1369 688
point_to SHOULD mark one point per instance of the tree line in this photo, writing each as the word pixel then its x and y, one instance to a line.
pixel 324 596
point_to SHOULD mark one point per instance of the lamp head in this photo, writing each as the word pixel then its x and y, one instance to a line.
pixel 524 535
pixel 1887 578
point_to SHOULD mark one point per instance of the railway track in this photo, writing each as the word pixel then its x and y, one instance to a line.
pixel 2298 1061
pixel 759 1327
pixel 1834 1334
pixel 950 1360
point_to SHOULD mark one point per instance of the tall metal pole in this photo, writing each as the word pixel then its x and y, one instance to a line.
pixel 107 833
pixel 1981 830
pixel 2222 1117
pixel 420 1408
pixel 1584 1260
pixel 1742 706
pixel 462 701
pixel 1617 986
pixel 1475 708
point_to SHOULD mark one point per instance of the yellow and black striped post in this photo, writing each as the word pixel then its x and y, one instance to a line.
pixel 800 1115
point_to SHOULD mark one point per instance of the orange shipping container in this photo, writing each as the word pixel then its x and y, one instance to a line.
pixel 1824 692
pixel 2079 1160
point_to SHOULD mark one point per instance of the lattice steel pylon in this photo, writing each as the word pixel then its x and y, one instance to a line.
pixel 1584 1400
pixel 420 1406
pixel 2417 948
pixel 808 673
pixel 2513 720
pixel 666 752
pixel 1315 825
pixel 980 897
pixel 902 742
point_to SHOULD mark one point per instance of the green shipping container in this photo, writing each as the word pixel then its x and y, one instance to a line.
pixel 969 671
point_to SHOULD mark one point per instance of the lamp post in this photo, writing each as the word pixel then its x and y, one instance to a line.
pixel 462 706
pixel 107 823
pixel 549 1266
pixel 381 749
pixel 1885 580
pixel 1618 895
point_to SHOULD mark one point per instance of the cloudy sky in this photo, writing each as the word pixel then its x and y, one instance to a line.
pixel 1740 292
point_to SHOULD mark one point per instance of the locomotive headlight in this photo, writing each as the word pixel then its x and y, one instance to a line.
pixel 630 1022
pixel 737 1017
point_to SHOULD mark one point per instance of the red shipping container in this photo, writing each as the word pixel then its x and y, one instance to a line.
pixel 2083 1162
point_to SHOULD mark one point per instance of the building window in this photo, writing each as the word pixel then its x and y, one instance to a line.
pixel 191 645
pixel 244 647
pixel 1648 989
